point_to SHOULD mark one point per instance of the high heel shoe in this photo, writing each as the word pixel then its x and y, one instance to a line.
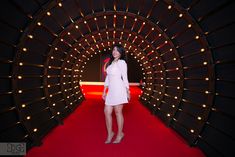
pixel 109 139
pixel 119 138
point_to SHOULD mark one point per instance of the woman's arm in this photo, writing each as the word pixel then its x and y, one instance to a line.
pixel 106 83
pixel 123 67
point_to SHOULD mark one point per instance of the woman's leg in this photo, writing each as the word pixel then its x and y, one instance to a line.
pixel 120 122
pixel 108 119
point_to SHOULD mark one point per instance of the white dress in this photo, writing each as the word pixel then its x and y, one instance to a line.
pixel 117 82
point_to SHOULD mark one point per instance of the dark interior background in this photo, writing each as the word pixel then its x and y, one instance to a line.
pixel 183 49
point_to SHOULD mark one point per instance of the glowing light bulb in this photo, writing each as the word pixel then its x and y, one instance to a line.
pixel 24 49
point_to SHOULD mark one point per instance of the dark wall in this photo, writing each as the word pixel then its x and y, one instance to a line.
pixel 186 49
pixel 93 69
pixel 216 19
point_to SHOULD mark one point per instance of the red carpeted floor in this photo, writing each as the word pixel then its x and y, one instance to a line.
pixel 83 133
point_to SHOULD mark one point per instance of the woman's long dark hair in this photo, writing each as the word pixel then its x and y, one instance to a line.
pixel 121 50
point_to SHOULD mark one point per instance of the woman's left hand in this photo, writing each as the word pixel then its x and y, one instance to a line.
pixel 128 95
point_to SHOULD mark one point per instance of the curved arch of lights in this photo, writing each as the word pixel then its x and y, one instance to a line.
pixel 170 62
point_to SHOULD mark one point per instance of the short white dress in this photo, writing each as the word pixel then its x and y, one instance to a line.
pixel 117 82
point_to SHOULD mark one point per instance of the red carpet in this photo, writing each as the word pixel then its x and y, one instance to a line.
pixel 83 133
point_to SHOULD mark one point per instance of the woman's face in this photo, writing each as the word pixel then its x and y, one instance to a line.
pixel 115 53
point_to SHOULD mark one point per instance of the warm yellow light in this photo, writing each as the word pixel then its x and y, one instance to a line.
pixel 28 117
pixel 19 77
pixel 180 15
pixel 53 104
pixel 60 4
pixel 23 105
pixel 48 13
pixel 202 50
pixel 39 23
pixel 169 6
pixel 189 25
pixel 125 17
pixel 19 91
pixel 21 64
pixel 30 36
pixel 135 19
pixel 35 130
pixel 168 115
pixel 69 33
pixel 95 19
pixel 173 106
pixel 205 63
pixel 24 49
pixel 203 105
pixel 206 78
pixel 196 37
pixel 85 22
pixel 199 118
pixel 176 97
pixel 58 113
pixel 192 131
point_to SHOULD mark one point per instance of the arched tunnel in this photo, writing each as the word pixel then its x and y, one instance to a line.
pixel 181 50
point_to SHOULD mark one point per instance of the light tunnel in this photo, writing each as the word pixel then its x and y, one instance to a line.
pixel 184 50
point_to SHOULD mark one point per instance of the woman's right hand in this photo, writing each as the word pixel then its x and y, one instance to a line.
pixel 104 95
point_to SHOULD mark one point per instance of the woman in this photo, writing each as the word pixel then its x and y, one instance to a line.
pixel 118 91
